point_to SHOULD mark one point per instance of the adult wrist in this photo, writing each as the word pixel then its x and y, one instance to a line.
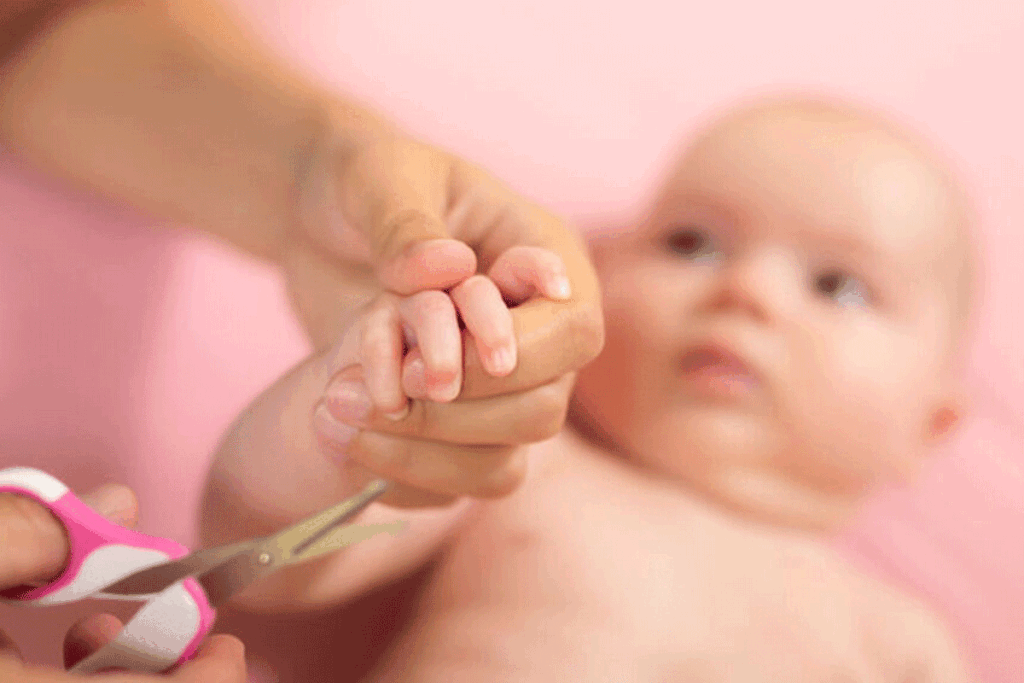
pixel 342 131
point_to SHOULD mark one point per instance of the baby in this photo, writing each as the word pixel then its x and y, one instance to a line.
pixel 784 332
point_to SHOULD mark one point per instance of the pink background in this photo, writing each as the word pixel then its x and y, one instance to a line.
pixel 126 348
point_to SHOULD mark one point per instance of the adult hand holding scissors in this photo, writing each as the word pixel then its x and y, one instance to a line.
pixel 35 549
pixel 180 590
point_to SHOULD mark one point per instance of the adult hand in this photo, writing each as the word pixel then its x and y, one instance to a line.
pixel 387 212
pixel 283 169
pixel 35 550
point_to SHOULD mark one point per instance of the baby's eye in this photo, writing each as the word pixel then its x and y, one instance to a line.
pixel 842 288
pixel 692 243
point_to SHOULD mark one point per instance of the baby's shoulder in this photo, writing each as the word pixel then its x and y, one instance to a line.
pixel 900 627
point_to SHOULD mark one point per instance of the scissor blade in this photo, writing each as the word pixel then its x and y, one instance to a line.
pixel 306 533
pixel 238 572
pixel 290 545
pixel 155 579
pixel 345 536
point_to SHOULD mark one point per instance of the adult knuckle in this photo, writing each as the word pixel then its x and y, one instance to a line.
pixel 548 409
pixel 420 422
pixel 393 457
pixel 506 476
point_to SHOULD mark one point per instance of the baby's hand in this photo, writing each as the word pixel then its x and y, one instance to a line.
pixel 413 346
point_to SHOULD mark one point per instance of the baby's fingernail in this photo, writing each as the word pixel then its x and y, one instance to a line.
pixel 414 379
pixel 503 360
pixel 334 434
pixel 349 401
pixel 559 288
pixel 445 393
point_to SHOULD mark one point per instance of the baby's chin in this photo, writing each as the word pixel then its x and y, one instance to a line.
pixel 700 441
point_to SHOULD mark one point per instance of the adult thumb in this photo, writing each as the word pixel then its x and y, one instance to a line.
pixel 413 261
pixel 395 195
pixel 35 545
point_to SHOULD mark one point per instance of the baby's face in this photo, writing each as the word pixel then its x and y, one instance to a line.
pixel 782 322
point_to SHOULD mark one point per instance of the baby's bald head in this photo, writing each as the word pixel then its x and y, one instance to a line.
pixel 890 165
pixel 823 256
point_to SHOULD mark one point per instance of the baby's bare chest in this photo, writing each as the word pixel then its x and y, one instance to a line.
pixel 563 583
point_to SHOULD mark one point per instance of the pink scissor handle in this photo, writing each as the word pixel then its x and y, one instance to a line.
pixel 167 630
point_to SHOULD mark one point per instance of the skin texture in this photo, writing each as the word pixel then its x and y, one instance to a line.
pixel 674 532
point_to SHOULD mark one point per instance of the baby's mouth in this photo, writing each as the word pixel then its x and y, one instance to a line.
pixel 717 372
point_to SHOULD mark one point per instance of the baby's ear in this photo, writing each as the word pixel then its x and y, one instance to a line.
pixel 945 418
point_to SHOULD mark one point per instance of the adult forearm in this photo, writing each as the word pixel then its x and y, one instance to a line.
pixel 175 108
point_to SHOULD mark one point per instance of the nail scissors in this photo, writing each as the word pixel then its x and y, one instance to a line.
pixel 180 590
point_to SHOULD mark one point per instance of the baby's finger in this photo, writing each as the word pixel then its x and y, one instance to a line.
pixel 489 321
pixel 520 272
pixel 381 352
pixel 434 325
pixel 414 375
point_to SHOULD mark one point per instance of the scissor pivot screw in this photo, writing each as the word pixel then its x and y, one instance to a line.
pixel 264 558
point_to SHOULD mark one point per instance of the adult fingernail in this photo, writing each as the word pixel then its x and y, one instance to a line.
pixel 349 401
pixel 559 288
pixel 334 434
pixel 114 501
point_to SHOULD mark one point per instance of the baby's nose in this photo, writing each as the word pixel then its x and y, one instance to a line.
pixel 754 285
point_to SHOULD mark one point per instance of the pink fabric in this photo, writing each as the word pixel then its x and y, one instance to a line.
pixel 125 349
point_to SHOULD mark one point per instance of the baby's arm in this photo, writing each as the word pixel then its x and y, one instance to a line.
pixel 280 461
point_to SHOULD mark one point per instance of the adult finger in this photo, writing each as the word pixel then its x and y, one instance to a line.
pixel 34 541
pixel 34 544
pixel 220 659
pixel 395 193
pixel 442 468
pixel 552 339
pixel 88 635
pixel 8 648
pixel 525 417
pixel 116 502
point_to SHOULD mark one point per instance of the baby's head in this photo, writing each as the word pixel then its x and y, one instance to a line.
pixel 785 330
